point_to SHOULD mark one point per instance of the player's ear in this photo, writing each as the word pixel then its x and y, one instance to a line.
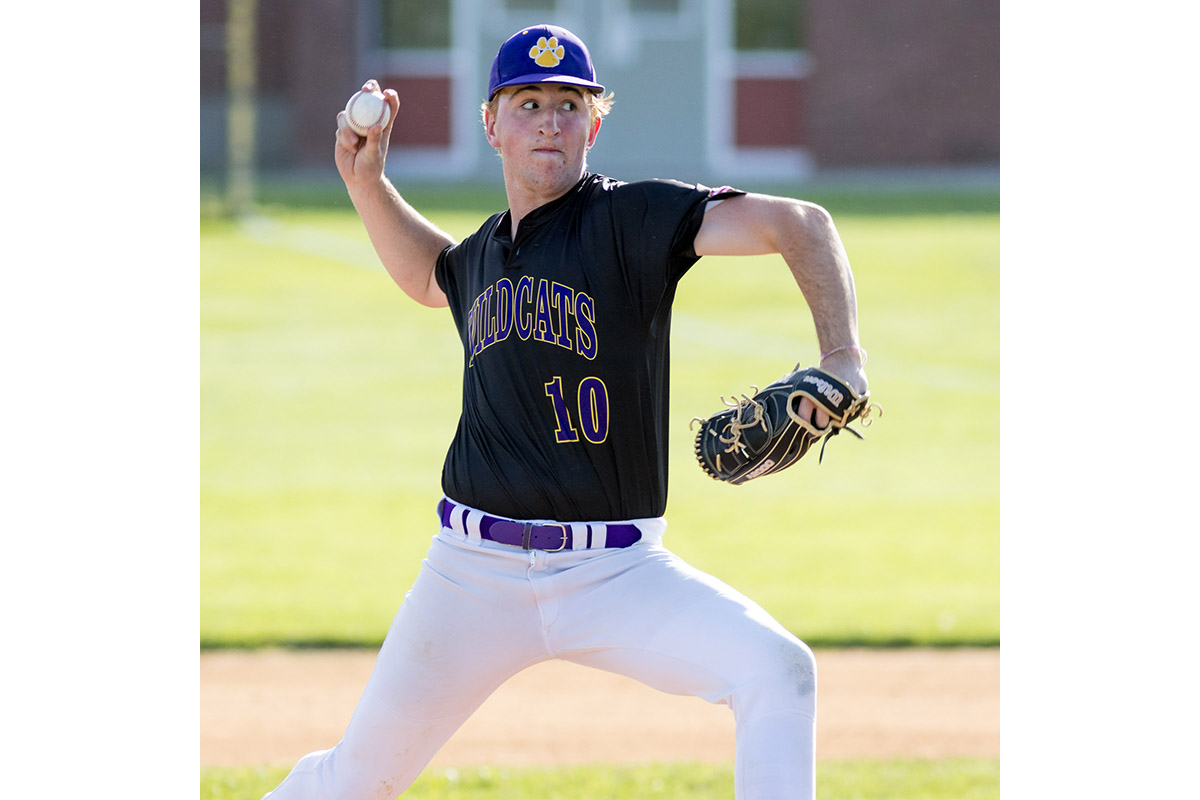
pixel 595 131
pixel 489 128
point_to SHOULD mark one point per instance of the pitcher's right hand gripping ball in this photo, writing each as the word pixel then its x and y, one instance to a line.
pixel 763 434
pixel 367 108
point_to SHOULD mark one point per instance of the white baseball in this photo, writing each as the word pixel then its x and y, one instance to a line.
pixel 365 109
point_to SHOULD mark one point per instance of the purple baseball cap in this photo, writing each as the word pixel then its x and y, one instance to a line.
pixel 543 54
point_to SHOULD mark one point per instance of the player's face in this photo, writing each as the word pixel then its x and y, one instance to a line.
pixel 543 132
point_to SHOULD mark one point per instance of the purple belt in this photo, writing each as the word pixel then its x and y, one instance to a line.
pixel 549 536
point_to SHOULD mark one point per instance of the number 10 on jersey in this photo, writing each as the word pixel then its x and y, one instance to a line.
pixel 590 405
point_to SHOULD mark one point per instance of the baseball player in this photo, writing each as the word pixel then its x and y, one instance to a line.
pixel 549 537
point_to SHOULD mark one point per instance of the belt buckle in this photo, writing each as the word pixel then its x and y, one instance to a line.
pixel 527 536
pixel 562 528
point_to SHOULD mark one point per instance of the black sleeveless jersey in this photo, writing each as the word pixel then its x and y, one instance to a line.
pixel 566 360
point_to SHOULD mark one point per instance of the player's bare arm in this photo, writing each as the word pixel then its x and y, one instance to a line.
pixel 804 234
pixel 407 243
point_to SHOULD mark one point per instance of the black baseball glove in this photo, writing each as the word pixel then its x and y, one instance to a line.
pixel 763 434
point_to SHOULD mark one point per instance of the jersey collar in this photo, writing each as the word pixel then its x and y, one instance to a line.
pixel 538 216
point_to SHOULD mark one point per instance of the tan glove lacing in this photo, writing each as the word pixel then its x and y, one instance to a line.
pixel 736 426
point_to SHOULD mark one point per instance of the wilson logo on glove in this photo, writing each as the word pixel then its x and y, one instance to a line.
pixel 826 389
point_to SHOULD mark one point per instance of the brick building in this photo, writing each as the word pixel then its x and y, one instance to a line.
pixel 707 90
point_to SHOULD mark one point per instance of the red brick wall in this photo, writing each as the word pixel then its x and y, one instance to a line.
pixel 904 83
pixel 770 112
pixel 321 75
pixel 306 57
pixel 276 40
pixel 425 110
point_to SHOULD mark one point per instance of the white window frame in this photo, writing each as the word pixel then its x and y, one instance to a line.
pixel 502 17
pixel 725 65
pixel 458 63
pixel 624 30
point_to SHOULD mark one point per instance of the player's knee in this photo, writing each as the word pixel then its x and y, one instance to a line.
pixel 785 682
pixel 799 670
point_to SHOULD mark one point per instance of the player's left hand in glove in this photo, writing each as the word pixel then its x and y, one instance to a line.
pixel 765 433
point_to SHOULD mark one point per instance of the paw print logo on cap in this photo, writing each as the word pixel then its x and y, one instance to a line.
pixel 558 56
pixel 547 52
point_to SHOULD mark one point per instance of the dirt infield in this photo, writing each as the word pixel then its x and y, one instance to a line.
pixel 271 707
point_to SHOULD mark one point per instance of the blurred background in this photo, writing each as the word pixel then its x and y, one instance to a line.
pixel 714 91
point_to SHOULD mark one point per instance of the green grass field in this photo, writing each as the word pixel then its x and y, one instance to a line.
pixel 951 779
pixel 328 400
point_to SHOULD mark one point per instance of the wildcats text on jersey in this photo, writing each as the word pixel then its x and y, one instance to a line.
pixel 533 308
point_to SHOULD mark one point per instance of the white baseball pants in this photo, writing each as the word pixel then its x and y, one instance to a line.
pixel 480 612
